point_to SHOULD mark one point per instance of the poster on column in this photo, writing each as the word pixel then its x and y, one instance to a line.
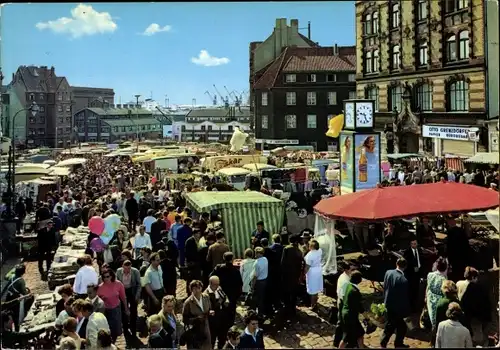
pixel 346 163
pixel 367 161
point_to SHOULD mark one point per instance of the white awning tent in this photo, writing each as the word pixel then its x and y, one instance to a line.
pixel 484 158
pixel 59 171
pixel 71 161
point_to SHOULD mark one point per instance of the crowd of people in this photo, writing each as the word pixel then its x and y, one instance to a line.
pixel 160 242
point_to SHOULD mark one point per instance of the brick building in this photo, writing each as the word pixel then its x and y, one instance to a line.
pixel 51 126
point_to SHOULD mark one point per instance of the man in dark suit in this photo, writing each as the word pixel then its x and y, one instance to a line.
pixel 291 272
pixel 157 228
pixel 230 282
pixel 413 272
pixel 158 337
pixel 397 304
pixel 192 258
pixel 273 284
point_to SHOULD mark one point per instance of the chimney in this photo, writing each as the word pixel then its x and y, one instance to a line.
pixel 52 70
pixel 294 24
pixel 278 23
pixel 335 50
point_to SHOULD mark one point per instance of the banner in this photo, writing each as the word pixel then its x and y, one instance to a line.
pixel 346 163
pixel 367 161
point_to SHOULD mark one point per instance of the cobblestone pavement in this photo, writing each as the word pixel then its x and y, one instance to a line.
pixel 311 331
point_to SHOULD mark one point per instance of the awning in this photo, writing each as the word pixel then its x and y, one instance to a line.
pixel 404 155
pixel 40 182
pixel 484 158
pixel 241 210
pixel 59 171
pixel 71 161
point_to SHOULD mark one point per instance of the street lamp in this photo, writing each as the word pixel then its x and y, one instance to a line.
pixel 11 173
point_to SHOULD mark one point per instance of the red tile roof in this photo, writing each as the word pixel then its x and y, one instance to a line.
pixel 267 80
pixel 318 64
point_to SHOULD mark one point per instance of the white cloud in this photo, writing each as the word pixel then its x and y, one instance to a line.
pixel 205 59
pixel 156 28
pixel 84 21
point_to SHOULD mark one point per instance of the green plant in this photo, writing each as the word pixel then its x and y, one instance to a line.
pixel 378 310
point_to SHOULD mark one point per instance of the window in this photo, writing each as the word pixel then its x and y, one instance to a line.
pixel 60 130
pixel 311 121
pixel 183 128
pixel 42 109
pixel 332 98
pixel 424 98
pixel 397 98
pixel 41 96
pixel 229 128
pixel 462 4
pixel 423 54
pixel 451 48
pixel 372 94
pixel 459 96
pixel 375 22
pixel 463 40
pixel 352 95
pixel 351 77
pixel 331 78
pixel 203 127
pixel 209 127
pixel 368 24
pixel 311 78
pixel 422 9
pixel 41 131
pixel 68 119
pixel 291 121
pixel 124 128
pixel 396 57
pixel 369 62
pixel 328 118
pixel 41 120
pixel 265 122
pixel 68 108
pixel 290 99
pixel 291 78
pixel 59 96
pixel 311 98
pixel 32 120
pixel 375 61
pixel 59 108
pixel 61 120
pixel 395 16
pixel 264 99
pixel 32 97
pixel 32 132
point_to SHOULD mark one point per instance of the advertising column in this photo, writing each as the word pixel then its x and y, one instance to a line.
pixel 366 161
pixel 346 163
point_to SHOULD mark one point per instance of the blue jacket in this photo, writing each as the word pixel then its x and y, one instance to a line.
pixel 396 293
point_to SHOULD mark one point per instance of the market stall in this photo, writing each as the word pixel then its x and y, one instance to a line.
pixel 240 213
pixel 234 176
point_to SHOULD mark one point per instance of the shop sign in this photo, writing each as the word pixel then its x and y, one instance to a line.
pixel 450 132
pixel 278 142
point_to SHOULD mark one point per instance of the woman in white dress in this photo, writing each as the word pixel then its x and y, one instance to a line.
pixel 314 272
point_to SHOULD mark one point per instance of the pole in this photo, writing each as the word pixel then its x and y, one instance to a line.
pixel 309 30
pixel 57 144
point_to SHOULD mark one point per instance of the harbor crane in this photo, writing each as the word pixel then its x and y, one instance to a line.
pixel 233 96
pixel 225 100
pixel 213 99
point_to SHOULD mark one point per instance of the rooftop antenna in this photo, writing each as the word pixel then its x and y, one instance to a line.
pixel 137 100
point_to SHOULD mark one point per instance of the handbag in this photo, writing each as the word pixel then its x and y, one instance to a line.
pixel 425 319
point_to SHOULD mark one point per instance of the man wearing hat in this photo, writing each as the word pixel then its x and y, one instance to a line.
pixel 306 237
pixel 46 243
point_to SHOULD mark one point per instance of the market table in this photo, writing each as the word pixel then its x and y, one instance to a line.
pixel 42 313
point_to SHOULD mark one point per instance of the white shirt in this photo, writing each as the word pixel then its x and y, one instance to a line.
pixel 142 241
pixel 86 275
pixel 415 253
pixel 342 283
pixel 97 321
pixel 147 222
pixel 199 302
pixel 79 325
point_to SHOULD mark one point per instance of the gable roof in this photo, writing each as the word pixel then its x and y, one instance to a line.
pixel 307 59
pixel 309 41
pixel 37 79
pixel 317 64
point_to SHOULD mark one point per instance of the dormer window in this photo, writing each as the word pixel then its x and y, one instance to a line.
pixel 311 78
pixel 32 97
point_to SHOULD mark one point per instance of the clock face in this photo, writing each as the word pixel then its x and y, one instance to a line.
pixel 349 115
pixel 364 114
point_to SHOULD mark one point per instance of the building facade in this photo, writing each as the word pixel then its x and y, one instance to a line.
pixel 300 92
pixel 213 124
pixel 52 124
pixel 423 63
pixel 110 124
pixel 84 96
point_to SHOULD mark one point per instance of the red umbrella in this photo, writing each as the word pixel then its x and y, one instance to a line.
pixel 384 203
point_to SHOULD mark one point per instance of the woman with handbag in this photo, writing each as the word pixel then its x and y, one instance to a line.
pixel 433 292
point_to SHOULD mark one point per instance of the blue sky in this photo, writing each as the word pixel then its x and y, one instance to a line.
pixel 139 48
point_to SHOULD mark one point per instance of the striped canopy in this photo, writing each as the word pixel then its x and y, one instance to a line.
pixel 241 210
